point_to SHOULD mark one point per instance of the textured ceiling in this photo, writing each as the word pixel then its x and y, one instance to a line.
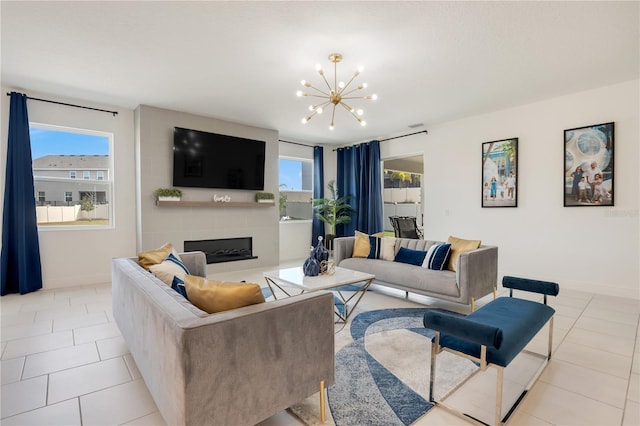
pixel 429 62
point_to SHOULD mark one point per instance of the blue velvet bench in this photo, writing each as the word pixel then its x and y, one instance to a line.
pixel 493 336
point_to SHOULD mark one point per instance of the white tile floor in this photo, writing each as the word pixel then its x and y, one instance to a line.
pixel 64 362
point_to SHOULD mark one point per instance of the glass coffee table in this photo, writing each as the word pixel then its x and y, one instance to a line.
pixel 358 282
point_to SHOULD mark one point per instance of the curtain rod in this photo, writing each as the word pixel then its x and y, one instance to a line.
pixel 395 137
pixel 71 105
pixel 404 136
pixel 296 143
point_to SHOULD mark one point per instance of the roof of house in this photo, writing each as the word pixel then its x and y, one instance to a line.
pixel 71 162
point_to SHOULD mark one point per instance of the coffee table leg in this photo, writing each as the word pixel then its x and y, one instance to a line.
pixel 360 293
pixel 269 282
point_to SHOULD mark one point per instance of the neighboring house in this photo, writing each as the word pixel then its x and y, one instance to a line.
pixel 63 180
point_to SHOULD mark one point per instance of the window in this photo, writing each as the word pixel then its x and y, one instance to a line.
pixel 57 155
pixel 41 197
pixel 296 174
pixel 296 186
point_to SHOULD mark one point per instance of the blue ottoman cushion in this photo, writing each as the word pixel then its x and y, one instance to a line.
pixel 503 314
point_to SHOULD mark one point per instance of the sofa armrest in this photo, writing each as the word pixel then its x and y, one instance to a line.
pixel 478 272
pixel 267 357
pixel 342 249
pixel 196 262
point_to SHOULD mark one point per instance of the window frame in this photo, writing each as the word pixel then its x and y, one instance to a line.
pixel 110 187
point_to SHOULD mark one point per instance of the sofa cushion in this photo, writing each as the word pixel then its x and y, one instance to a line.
pixel 437 257
pixel 412 257
pixel 169 268
pixel 153 257
pixel 458 246
pixel 402 275
pixel 217 296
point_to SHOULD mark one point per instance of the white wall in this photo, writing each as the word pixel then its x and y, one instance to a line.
pixel 590 248
pixel 84 256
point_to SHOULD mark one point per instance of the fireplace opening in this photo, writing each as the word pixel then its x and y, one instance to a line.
pixel 223 249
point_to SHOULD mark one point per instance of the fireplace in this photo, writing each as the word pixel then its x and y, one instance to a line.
pixel 223 249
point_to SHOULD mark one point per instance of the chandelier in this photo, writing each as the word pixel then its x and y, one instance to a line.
pixel 336 95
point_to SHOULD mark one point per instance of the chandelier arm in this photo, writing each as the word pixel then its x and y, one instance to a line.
pixel 310 116
pixel 326 82
pixel 351 91
pixel 318 90
pixel 333 114
pixel 348 83
pixel 323 96
pixel 348 108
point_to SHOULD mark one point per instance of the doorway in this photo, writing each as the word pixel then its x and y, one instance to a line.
pixel 402 189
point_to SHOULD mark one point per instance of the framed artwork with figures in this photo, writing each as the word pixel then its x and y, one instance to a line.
pixel 499 173
pixel 588 166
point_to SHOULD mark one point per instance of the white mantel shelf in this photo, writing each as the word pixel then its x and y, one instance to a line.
pixel 212 204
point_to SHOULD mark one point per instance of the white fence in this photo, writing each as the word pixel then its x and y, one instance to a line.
pixel 57 214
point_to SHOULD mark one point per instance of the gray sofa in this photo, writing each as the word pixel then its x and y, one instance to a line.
pixel 237 367
pixel 476 271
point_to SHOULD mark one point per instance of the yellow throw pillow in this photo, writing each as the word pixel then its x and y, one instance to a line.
pixel 458 246
pixel 361 245
pixel 153 257
pixel 217 296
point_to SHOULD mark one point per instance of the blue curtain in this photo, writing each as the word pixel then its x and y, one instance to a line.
pixel 318 191
pixel 21 271
pixel 359 176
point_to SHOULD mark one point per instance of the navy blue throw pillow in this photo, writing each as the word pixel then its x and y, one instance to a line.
pixel 178 285
pixel 437 257
pixel 412 257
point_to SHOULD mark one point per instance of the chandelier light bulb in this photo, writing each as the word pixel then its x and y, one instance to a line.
pixel 364 85
pixel 319 110
pixel 331 126
pixel 374 97
pixel 360 112
pixel 341 85
pixel 360 69
pixel 363 123
pixel 304 120
pixel 299 93
pixel 303 82
pixel 318 67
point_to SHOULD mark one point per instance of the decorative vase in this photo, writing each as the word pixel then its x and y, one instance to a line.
pixel 311 266
pixel 320 252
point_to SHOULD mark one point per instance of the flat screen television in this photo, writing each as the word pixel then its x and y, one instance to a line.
pixel 209 160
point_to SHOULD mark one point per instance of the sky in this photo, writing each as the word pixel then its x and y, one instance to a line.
pixel 290 174
pixel 56 142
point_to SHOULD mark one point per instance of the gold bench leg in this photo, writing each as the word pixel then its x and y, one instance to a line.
pixel 322 403
pixel 473 304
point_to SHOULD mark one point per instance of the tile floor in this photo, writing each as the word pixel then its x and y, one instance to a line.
pixel 63 362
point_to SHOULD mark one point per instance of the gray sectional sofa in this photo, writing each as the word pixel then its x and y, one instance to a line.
pixel 236 367
pixel 476 272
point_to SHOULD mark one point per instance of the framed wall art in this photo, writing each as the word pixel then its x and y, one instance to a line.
pixel 588 166
pixel 499 173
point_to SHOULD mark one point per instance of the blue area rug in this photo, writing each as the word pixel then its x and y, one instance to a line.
pixel 382 377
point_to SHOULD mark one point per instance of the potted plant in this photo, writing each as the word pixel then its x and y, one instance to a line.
pixel 333 211
pixel 264 197
pixel 282 201
pixel 168 194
